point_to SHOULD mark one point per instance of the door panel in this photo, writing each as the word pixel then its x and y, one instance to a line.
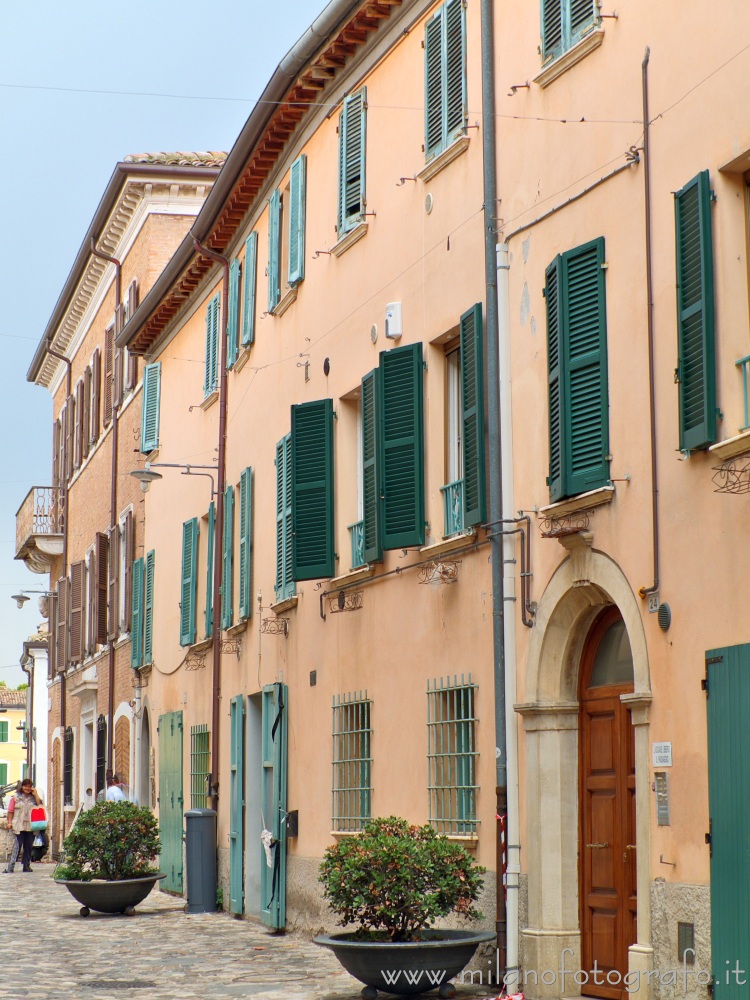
pixel 236 803
pixel 170 799
pixel 273 793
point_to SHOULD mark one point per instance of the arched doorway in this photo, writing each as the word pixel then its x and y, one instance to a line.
pixel 607 838
pixel 144 763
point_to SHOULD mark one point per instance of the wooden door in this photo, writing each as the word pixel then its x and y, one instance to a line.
pixel 236 803
pixel 607 817
pixel 170 799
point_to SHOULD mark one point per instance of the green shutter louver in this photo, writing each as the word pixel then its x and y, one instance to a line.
pixel 211 380
pixel 696 350
pixel 150 407
pixel 148 608
pixel 233 312
pixel 250 272
pixel 297 197
pixel 554 365
pixel 445 76
pixel 312 490
pixel 227 567
pixel 402 446
pixel 284 579
pixel 371 487
pixel 136 619
pixel 352 132
pixel 210 543
pixel 189 580
pixel 584 17
pixel 552 29
pixel 433 55
pixel 564 24
pixel 472 417
pixel 246 540
pixel 274 257
pixel 455 69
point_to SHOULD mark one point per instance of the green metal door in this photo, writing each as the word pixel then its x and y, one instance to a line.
pixel 273 798
pixel 170 799
pixel 728 700
pixel 236 803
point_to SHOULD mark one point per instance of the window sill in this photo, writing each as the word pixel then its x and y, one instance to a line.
pixel 731 447
pixel 460 541
pixel 210 399
pixel 242 359
pixel 285 605
pixel 439 162
pixel 349 239
pixel 237 629
pixel 345 833
pixel 355 574
pixel 584 501
pixel 564 62
pixel 468 840
pixel 283 304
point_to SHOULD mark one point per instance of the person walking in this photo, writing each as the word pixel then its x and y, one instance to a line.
pixel 114 792
pixel 19 821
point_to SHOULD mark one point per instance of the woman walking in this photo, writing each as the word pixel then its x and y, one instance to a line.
pixel 19 821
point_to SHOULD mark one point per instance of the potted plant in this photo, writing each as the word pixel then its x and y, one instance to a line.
pixel 393 881
pixel 108 857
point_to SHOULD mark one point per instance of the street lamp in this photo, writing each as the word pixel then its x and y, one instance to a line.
pixel 146 475
pixel 22 596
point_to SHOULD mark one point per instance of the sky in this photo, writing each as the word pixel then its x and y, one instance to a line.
pixel 82 86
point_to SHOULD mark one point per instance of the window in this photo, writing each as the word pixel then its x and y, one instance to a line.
pixel 312 490
pixel 284 580
pixel 210 532
pixel 136 628
pixel 3 774
pixel 77 638
pixel 445 77
pixel 352 762
pixel 274 250
pixel 251 273
pixel 142 618
pixel 213 318
pixel 577 371
pixel 696 360
pixel 352 131
pixel 234 311
pixel 286 257
pixel 125 587
pixel 109 373
pixel 297 198
pixel 96 377
pixel 246 543
pixel 199 766
pixel 150 407
pixel 4 731
pixel 101 755
pixel 227 566
pixel 68 767
pixel 189 578
pixel 148 607
pixel 452 755
pixel 564 23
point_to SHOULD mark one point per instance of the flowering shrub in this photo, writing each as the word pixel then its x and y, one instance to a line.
pixel 111 841
pixel 394 880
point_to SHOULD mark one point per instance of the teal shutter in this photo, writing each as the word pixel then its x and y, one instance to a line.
pixel 472 417
pixel 236 803
pixel 227 568
pixel 251 270
pixel 171 800
pixel 4 733
pixel 148 608
pixel 402 446
pixel 246 542
pixel 211 381
pixel 312 490
pixel 233 312
pixel 136 617
pixel 210 570
pixel 433 58
pixel 189 580
pixel 297 196
pixel 150 407
pixel 554 365
pixel 4 774
pixel 371 485
pixel 696 362
pixel 552 29
pixel 284 578
pixel 584 17
pixel 352 132
pixel 445 76
pixel 273 790
pixel 274 257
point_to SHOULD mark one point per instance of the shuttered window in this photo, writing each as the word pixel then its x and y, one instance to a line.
pixel 246 542
pixel 472 416
pixel 445 76
pixel 136 626
pixel 61 631
pixel 150 407
pixel 274 250
pixel 109 373
pixel 101 562
pixel 312 490
pixel 577 371
pixel 211 380
pixel 77 635
pixel 564 24
pixel 696 352
pixel 284 579
pixel 210 569
pixel 227 565
pixel 371 499
pixel 70 424
pixel 96 378
pixel 131 370
pixel 189 578
pixel 297 199
pixel 250 276
pixel 148 607
pixel 78 433
pixel 86 413
pixel 233 312
pixel 352 132
pixel 128 541
pixel 113 581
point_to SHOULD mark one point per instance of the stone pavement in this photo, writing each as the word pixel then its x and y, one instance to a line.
pixel 49 952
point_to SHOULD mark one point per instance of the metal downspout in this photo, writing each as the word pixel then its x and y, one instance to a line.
pixel 494 447
pixel 219 523
pixel 112 494
pixel 29 718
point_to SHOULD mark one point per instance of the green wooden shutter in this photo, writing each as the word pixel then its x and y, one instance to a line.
pixel 251 270
pixel 402 446
pixel 171 800
pixel 552 29
pixel 371 484
pixel 211 381
pixel 584 17
pixel 284 578
pixel 455 69
pixel 4 734
pixel 3 774
pixel 136 619
pixel 472 417
pixel 150 407
pixel 236 803
pixel 352 146
pixel 148 608
pixel 227 568
pixel 273 790
pixel 312 490
pixel 696 362
pixel 297 197
pixel 274 231
pixel 233 312
pixel 554 363
pixel 433 61
pixel 189 581
pixel 210 543
pixel 246 542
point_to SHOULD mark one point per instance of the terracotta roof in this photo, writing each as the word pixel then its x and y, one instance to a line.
pixel 179 159
pixel 12 699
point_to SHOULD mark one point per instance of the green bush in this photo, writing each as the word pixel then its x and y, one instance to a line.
pixel 394 880
pixel 111 841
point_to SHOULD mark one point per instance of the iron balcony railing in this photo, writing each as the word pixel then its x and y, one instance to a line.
pixel 453 507
pixel 357 538
pixel 41 513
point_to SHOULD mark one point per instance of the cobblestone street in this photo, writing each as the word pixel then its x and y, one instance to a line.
pixel 48 952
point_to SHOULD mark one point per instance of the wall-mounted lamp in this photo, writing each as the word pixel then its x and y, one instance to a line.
pixel 22 596
pixel 146 475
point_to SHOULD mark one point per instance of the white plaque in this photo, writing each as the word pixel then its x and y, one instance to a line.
pixel 661 754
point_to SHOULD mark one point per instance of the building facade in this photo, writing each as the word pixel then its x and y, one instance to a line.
pixel 13 736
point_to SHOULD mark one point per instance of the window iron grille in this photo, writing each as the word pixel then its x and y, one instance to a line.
pixel 452 755
pixel 352 761
pixel 199 766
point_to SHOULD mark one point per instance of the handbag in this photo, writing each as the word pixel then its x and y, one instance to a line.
pixel 38 818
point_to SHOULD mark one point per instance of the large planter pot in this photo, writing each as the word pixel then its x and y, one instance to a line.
pixel 111 897
pixel 406 967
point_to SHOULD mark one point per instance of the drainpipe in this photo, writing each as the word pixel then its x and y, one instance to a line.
pixel 219 524
pixel 29 717
pixel 112 494
pixel 494 446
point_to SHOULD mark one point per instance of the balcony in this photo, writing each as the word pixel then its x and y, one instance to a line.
pixel 453 508
pixel 39 528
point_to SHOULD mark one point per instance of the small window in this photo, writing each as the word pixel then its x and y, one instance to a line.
pixel 4 731
pixel 199 766
pixel 352 762
pixel 211 380
pixel 564 24
pixel 352 132
pixel 452 756
pixel 445 77
pixel 284 580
